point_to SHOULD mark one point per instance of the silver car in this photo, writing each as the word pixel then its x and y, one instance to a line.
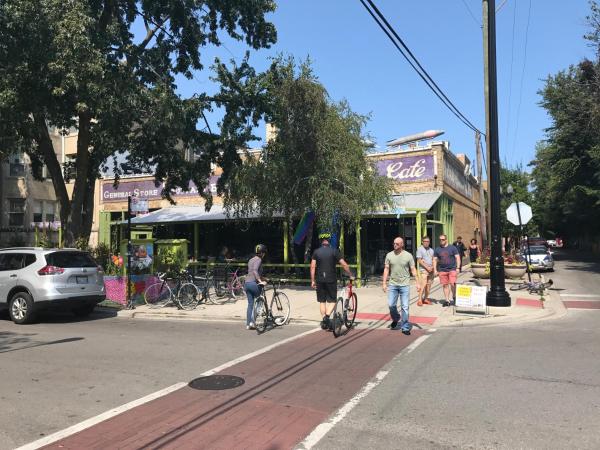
pixel 541 258
pixel 33 278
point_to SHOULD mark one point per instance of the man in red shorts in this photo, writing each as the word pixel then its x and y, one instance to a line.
pixel 446 259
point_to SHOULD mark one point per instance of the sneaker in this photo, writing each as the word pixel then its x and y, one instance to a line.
pixel 419 303
pixel 325 323
pixel 446 303
pixel 406 332
pixel 427 302
pixel 251 326
pixel 393 324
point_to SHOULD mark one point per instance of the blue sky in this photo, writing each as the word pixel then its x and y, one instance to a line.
pixel 356 61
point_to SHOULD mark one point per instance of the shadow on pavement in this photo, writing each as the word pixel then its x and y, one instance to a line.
pixel 12 342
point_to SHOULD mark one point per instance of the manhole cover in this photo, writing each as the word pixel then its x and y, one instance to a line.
pixel 216 382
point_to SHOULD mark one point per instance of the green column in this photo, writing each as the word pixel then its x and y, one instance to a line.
pixel 358 255
pixel 286 242
pixel 342 238
pixel 419 230
pixel 196 240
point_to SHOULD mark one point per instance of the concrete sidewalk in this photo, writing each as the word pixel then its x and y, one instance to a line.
pixel 372 308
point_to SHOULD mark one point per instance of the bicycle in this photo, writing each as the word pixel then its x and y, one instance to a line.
pixel 230 284
pixel 160 294
pixel 345 309
pixel 533 286
pixel 276 312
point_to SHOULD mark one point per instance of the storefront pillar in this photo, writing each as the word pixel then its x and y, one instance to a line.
pixel 286 242
pixel 196 240
pixel 419 230
pixel 342 238
pixel 358 255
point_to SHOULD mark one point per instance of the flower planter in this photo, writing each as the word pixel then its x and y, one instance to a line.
pixel 480 270
pixel 515 271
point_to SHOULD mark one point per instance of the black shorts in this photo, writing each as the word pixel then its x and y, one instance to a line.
pixel 326 292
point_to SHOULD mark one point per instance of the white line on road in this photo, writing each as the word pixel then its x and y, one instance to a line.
pixel 581 295
pixel 148 398
pixel 322 429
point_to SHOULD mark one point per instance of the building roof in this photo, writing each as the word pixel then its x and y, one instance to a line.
pixel 181 214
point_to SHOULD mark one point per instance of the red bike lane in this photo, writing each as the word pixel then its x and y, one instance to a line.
pixel 287 392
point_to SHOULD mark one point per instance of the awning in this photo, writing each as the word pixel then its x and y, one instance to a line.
pixel 183 214
pixel 409 203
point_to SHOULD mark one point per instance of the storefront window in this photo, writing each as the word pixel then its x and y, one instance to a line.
pixel 16 212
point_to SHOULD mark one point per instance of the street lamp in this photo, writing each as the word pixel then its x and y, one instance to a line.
pixel 497 296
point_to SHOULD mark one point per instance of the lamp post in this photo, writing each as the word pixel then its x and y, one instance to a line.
pixel 497 295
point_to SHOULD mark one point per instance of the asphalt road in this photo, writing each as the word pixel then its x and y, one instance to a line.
pixel 517 386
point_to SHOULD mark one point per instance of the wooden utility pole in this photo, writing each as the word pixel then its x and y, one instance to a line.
pixel 482 214
pixel 486 94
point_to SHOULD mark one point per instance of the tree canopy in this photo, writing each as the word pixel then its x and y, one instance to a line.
pixel 317 160
pixel 566 169
pixel 79 63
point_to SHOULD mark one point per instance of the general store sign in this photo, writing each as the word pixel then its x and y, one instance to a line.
pixel 407 168
pixel 147 190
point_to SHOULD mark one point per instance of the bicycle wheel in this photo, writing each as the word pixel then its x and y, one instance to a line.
pixel 280 309
pixel 337 317
pixel 188 296
pixel 519 287
pixel 220 286
pixel 157 295
pixel 237 286
pixel 260 314
pixel 351 307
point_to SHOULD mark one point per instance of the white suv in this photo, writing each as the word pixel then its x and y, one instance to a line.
pixel 33 278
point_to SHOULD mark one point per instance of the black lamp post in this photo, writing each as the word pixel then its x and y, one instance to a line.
pixel 497 295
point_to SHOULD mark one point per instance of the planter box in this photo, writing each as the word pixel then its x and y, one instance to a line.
pixel 479 270
pixel 116 287
pixel 515 272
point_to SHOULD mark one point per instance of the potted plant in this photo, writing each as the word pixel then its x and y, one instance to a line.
pixel 481 266
pixel 514 268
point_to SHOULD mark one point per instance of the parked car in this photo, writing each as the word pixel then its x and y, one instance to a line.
pixel 535 241
pixel 33 278
pixel 551 243
pixel 541 258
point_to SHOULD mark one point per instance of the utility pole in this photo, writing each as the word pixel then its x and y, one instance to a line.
pixel 482 214
pixel 497 296
pixel 486 94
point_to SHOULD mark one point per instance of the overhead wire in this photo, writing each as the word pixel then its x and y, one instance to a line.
pixel 522 79
pixel 414 62
pixel 471 12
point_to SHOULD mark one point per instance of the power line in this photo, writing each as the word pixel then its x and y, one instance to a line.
pixel 512 55
pixel 414 62
pixel 522 78
pixel 501 5
pixel 471 12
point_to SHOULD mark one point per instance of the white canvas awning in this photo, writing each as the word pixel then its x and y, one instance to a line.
pixel 186 214
pixel 408 203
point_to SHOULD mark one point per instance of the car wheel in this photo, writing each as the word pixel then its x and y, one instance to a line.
pixel 83 311
pixel 20 308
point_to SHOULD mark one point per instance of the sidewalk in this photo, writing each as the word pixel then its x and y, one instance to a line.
pixel 372 308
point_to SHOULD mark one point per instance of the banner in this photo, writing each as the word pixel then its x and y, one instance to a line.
pixel 303 226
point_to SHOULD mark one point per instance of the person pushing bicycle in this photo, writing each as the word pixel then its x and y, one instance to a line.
pixel 323 276
pixel 254 282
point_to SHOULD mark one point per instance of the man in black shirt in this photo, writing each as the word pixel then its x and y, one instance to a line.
pixel 460 246
pixel 323 276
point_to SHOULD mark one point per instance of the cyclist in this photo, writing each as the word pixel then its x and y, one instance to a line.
pixel 254 282
pixel 323 276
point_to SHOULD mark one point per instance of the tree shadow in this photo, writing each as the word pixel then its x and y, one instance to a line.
pixel 12 342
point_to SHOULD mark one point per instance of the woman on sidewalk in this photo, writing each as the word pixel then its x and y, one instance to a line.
pixel 474 251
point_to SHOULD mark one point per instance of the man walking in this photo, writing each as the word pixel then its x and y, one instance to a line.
pixel 445 262
pixel 460 246
pixel 323 276
pixel 425 268
pixel 399 265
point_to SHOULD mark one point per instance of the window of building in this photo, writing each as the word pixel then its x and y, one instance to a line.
pixel 17 166
pixel 16 212
pixel 49 211
pixel 38 214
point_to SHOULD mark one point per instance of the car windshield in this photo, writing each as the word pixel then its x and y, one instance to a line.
pixel 68 260
pixel 537 250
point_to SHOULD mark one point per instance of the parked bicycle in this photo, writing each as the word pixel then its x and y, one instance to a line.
pixel 233 284
pixel 346 307
pixel 276 311
pixel 160 294
pixel 534 287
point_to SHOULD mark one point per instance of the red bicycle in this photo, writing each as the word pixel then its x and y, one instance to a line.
pixel 346 307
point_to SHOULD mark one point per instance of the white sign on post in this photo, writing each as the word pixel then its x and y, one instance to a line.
pixel 472 297
pixel 522 209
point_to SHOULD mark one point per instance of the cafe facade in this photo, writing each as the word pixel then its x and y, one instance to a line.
pixel 434 193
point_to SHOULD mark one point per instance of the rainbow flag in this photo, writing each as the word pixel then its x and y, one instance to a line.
pixel 302 228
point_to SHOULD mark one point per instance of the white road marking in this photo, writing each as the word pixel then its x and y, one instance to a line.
pixel 148 398
pixel 322 429
pixel 581 295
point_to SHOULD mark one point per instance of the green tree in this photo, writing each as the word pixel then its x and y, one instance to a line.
pixel 317 161
pixel 79 63
pixel 566 169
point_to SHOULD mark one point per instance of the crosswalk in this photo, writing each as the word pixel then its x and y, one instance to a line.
pixel 580 301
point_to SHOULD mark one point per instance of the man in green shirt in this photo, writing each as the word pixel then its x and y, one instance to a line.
pixel 399 265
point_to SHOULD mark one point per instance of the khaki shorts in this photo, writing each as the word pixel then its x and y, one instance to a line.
pixel 426 276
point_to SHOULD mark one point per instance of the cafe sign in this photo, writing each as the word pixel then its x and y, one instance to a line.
pixel 147 190
pixel 407 168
